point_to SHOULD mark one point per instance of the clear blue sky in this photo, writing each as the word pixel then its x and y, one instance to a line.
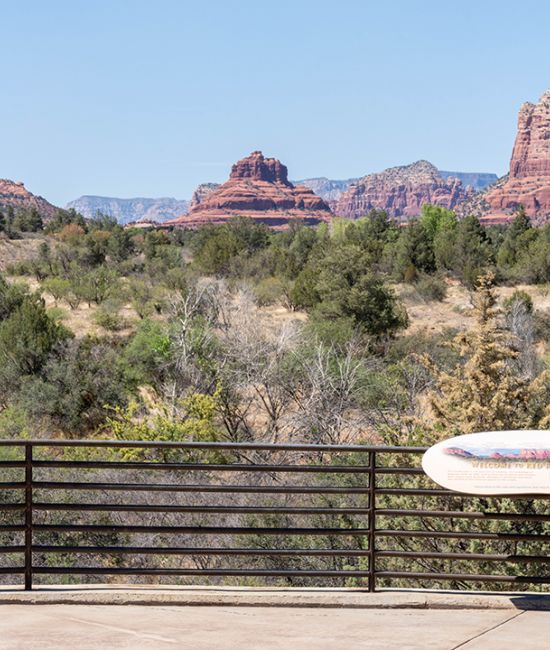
pixel 150 98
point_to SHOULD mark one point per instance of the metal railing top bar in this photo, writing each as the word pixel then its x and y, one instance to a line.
pixel 43 442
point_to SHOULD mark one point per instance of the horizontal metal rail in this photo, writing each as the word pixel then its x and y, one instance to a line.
pixel 221 489
pixel 203 467
pixel 337 513
pixel 214 446
pixel 110 507
pixel 174 550
pixel 460 514
pixel 464 577
pixel 197 530
pixel 200 572
pixel 483 557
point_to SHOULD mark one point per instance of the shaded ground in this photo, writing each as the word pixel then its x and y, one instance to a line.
pixel 49 627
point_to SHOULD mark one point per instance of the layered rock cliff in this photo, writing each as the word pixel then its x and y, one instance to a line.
pixel 130 210
pixel 18 197
pixel 528 183
pixel 402 191
pixel 201 193
pixel 259 188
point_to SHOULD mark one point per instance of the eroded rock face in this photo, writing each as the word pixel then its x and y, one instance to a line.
pixel 17 196
pixel 528 183
pixel 402 191
pixel 201 193
pixel 258 168
pixel 259 188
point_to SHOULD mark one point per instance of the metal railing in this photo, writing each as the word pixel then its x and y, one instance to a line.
pixel 342 515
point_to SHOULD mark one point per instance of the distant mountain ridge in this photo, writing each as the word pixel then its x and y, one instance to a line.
pixel 327 188
pixel 477 180
pixel 128 210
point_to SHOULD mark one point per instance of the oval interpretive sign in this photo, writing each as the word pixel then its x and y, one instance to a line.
pixel 492 463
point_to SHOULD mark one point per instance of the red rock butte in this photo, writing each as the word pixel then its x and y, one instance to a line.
pixel 16 195
pixel 258 188
pixel 528 183
pixel 401 192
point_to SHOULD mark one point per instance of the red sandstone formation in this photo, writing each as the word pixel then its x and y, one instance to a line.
pixel 17 196
pixel 259 188
pixel 201 193
pixel 401 191
pixel 529 180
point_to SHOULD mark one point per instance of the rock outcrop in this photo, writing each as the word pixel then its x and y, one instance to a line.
pixel 330 189
pixel 129 210
pixel 477 205
pixel 259 188
pixel 402 191
pixel 528 183
pixel 201 193
pixel 18 197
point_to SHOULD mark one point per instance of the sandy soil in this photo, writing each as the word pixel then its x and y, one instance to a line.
pixel 81 320
pixel 456 310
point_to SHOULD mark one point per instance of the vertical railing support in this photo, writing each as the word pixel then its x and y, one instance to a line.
pixel 372 521
pixel 28 516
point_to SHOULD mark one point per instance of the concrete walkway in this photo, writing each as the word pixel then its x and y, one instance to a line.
pixel 137 627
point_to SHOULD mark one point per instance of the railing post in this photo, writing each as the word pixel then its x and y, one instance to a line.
pixel 372 521
pixel 28 516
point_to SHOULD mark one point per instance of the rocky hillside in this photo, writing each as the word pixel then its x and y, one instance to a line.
pixel 128 210
pixel 402 191
pixel 478 206
pixel 330 190
pixel 528 183
pixel 258 187
pixel 17 196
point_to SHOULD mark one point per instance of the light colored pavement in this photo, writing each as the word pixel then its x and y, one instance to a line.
pixel 121 594
pixel 135 627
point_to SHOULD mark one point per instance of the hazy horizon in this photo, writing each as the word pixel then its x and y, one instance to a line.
pixel 128 99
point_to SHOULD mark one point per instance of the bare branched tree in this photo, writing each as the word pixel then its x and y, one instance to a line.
pixel 254 371
pixel 327 399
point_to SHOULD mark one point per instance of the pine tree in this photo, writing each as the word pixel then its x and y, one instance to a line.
pixel 487 392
